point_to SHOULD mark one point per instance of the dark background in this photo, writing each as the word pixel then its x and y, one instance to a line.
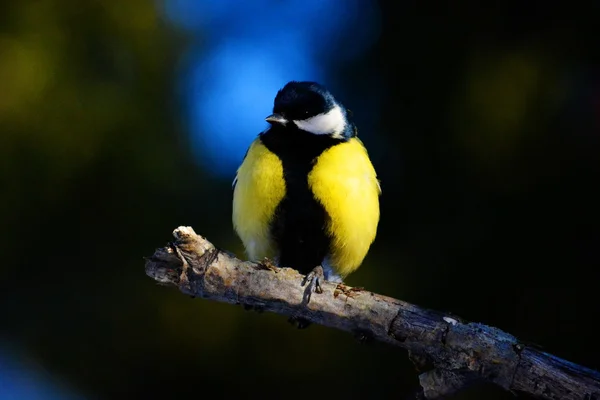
pixel 485 134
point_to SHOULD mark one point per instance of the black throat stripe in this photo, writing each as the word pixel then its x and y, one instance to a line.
pixel 299 223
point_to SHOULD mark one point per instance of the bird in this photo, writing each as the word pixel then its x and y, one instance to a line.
pixel 306 194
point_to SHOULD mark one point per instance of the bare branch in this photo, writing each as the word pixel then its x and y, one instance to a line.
pixel 450 353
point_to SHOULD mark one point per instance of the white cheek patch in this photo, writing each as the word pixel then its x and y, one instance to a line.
pixel 329 123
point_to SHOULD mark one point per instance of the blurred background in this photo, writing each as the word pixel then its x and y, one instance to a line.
pixel 120 121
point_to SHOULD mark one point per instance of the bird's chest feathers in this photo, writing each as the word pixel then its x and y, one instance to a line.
pixel 298 152
pixel 344 181
pixel 331 205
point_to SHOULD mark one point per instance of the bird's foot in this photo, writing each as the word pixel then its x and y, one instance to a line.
pixel 314 278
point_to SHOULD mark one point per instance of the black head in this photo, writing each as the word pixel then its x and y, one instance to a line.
pixel 302 100
pixel 309 106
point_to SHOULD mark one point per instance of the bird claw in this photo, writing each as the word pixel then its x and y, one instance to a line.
pixel 314 279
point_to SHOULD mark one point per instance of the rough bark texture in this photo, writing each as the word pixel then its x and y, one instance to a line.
pixel 450 353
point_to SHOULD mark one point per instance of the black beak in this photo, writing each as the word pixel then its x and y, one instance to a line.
pixel 276 119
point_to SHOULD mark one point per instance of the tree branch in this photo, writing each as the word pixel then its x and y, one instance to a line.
pixel 450 353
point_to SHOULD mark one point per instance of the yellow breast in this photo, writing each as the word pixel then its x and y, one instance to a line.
pixel 344 181
pixel 259 188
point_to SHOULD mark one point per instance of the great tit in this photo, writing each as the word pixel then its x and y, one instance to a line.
pixel 306 195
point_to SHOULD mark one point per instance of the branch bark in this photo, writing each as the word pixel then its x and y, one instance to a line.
pixel 450 353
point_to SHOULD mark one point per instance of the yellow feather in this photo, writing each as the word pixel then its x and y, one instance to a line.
pixel 259 189
pixel 344 181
